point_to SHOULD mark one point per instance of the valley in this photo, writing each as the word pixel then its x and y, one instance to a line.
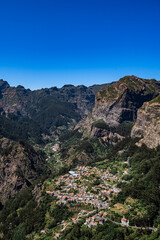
pixel 80 162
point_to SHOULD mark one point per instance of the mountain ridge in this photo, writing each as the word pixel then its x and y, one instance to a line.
pixel 116 105
pixel 20 101
pixel 28 115
pixel 41 142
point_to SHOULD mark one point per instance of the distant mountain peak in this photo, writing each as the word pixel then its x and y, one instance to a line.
pixel 3 84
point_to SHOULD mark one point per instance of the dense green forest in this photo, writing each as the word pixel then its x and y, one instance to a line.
pixel 21 128
pixel 25 217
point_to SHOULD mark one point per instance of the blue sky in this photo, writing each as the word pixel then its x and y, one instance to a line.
pixel 48 43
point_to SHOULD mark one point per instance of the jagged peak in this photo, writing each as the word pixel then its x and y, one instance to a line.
pixel 3 84
pixel 135 78
pixel 130 82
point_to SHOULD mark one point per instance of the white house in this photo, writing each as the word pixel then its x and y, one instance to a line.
pixel 124 222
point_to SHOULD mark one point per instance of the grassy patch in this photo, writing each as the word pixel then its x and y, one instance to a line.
pixel 120 208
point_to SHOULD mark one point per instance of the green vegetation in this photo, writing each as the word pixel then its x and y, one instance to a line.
pixel 20 128
pixel 22 215
pixel 123 129
pixel 126 177
pixel 74 147
pixel 107 231
pixel 109 93
pixel 50 113
pixel 101 124
pixel 132 84
pixel 42 111
pixel 112 92
pixel 103 93
pixel 144 187
pixel 138 200
pixel 155 100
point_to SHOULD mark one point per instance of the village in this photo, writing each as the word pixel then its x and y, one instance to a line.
pixel 88 186
pixel 92 190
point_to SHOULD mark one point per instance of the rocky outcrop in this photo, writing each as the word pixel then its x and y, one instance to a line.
pixel 106 135
pixel 147 126
pixel 120 101
pixel 20 165
pixel 116 108
pixel 88 129
pixel 13 99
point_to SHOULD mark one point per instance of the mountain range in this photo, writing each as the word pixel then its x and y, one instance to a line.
pixel 46 132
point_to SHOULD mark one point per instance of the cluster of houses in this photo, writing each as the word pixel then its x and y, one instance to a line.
pixel 98 218
pixel 86 198
pixel 74 187
pixel 80 186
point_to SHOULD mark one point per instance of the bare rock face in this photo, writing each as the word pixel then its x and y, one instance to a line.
pixel 106 135
pixel 117 104
pixel 87 128
pixel 20 165
pixel 13 99
pixel 120 101
pixel 147 126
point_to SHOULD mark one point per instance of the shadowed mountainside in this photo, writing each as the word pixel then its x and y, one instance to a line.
pixel 47 108
pixel 116 108
pixel 147 126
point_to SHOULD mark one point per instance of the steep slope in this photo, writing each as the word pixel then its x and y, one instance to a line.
pixel 120 101
pixel 20 165
pixel 116 108
pixel 49 108
pixel 13 99
pixel 20 128
pixel 27 115
pixel 147 125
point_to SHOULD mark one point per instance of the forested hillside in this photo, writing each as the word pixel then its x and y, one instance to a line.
pixel 80 162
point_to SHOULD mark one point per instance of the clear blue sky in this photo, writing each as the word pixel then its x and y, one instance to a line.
pixel 46 43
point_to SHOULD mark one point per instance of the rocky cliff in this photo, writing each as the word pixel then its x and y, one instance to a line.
pixel 120 101
pixel 20 165
pixel 147 126
pixel 13 99
pixel 116 108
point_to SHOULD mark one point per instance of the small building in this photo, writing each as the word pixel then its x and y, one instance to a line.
pixel 101 221
pixel 94 223
pixel 50 193
pixel 104 214
pixel 124 222
pixel 74 220
pixel 73 174
pixel 64 197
